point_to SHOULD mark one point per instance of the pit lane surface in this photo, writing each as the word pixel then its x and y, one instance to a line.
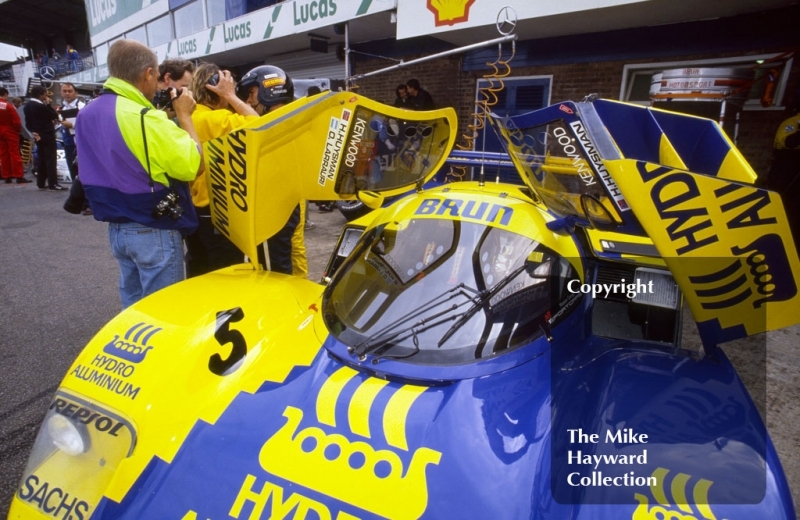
pixel 58 286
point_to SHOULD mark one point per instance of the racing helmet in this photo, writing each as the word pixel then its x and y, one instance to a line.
pixel 274 85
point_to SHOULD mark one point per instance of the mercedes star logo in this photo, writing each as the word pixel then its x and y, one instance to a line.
pixel 506 20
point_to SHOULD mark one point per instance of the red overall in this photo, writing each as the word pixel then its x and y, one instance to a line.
pixel 10 126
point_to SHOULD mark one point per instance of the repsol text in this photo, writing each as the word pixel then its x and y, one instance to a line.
pixel 87 416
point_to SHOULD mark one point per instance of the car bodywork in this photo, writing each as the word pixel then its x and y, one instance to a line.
pixel 449 369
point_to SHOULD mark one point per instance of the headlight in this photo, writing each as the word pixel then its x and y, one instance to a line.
pixel 75 456
pixel 67 436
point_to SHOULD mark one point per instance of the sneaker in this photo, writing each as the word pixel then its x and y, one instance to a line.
pixel 42 188
pixel 22 180
pixel 9 181
pixel 309 225
pixel 87 211
pixel 57 187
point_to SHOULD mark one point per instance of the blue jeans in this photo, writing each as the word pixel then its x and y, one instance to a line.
pixel 149 259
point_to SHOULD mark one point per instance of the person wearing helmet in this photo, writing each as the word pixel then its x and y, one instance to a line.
pixel 218 112
pixel 268 88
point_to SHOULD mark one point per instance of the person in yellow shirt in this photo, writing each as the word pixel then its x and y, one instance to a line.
pixel 268 88
pixel 218 112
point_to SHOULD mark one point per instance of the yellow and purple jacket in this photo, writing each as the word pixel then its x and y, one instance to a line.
pixel 113 155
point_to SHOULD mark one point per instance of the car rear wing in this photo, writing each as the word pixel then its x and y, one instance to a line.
pixel 678 180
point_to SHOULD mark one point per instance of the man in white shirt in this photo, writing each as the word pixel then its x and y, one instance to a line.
pixel 70 106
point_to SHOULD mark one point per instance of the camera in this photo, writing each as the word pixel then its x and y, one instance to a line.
pixel 163 97
pixel 168 206
pixel 76 201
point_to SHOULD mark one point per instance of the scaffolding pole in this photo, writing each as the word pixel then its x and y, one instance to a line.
pixel 457 50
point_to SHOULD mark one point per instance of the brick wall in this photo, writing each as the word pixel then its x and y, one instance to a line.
pixel 450 86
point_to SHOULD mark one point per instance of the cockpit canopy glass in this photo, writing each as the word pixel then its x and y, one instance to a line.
pixel 382 152
pixel 556 166
pixel 442 292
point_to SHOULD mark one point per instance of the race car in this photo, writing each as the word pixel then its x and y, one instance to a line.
pixel 480 350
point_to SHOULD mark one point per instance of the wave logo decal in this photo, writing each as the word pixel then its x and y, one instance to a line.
pixel 682 509
pixel 353 471
pixel 765 269
pixel 133 346
pixel 449 12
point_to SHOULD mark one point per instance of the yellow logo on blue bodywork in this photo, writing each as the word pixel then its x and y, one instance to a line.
pixel 350 471
pixel 682 509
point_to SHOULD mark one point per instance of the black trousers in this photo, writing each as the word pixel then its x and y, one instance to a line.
pixel 208 249
pixel 47 161
pixel 70 152
pixel 280 245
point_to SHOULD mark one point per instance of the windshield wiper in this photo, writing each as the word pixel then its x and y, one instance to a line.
pixel 385 343
pixel 388 333
pixel 483 298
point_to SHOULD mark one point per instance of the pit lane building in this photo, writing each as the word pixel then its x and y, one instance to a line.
pixel 564 50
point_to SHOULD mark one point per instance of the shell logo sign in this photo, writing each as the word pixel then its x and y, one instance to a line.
pixel 450 12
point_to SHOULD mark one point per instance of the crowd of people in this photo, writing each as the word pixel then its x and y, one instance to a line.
pixel 150 123
pixel 71 61
pixel 155 197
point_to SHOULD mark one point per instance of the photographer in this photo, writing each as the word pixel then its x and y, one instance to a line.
pixel 215 92
pixel 135 168
pixel 173 74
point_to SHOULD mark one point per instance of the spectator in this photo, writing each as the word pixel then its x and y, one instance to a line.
pixel 135 166
pixel 208 249
pixel 45 59
pixel 68 111
pixel 418 98
pixel 267 99
pixel 10 128
pixel 56 56
pixel 40 118
pixel 72 56
pixel 26 139
pixel 401 101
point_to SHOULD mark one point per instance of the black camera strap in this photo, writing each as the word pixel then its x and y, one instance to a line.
pixel 147 159
pixel 146 155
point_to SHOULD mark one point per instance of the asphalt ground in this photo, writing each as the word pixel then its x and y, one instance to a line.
pixel 58 286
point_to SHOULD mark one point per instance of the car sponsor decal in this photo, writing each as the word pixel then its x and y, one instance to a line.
pixel 727 244
pixel 334 143
pixel 591 152
pixel 681 507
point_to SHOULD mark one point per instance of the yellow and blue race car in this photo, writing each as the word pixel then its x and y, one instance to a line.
pixel 480 351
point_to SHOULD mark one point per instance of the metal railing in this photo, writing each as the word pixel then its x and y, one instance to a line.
pixel 65 66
